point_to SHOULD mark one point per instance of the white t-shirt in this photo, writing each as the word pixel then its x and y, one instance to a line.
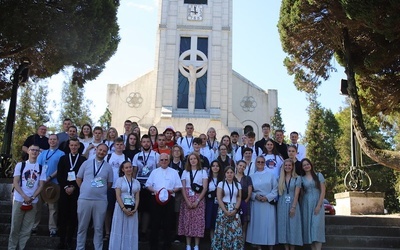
pixel 197 178
pixel 273 164
pixel 164 178
pixel 31 173
pixel 230 191
pixel 115 162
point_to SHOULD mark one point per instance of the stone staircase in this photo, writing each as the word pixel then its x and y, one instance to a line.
pixel 362 232
pixel 342 232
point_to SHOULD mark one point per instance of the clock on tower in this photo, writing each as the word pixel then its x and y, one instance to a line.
pixel 195 12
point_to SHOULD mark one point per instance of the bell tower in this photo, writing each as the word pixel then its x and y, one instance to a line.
pixel 193 80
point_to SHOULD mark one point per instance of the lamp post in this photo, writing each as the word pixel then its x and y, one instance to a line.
pixel 20 75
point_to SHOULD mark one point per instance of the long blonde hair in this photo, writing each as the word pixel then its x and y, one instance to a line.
pixel 281 184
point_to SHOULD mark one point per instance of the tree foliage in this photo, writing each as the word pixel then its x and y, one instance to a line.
pixel 32 111
pixel 383 179
pixel 277 121
pixel 321 135
pixel 74 105
pixel 363 36
pixel 105 119
pixel 56 34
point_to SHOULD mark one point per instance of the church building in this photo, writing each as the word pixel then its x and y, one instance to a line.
pixel 193 80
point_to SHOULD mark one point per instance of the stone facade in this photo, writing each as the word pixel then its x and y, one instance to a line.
pixel 231 101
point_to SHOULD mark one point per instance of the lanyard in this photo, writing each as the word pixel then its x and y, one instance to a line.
pixel 215 184
pixel 248 171
pixel 210 145
pixel 130 184
pixel 230 191
pixel 144 161
pixel 47 154
pixel 287 185
pixel 72 165
pixel 94 167
pixel 191 141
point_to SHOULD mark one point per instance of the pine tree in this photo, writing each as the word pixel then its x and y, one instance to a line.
pixel 32 111
pixel 277 121
pixel 40 112
pixel 23 124
pixel 321 134
pixel 74 105
pixel 105 119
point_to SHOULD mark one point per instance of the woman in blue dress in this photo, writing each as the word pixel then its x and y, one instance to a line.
pixel 289 217
pixel 313 213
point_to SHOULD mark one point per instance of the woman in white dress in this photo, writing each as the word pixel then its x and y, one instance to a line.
pixel 124 230
pixel 262 225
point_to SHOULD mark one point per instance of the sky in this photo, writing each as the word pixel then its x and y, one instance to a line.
pixel 257 55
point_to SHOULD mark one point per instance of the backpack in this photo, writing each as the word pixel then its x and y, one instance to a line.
pixel 23 164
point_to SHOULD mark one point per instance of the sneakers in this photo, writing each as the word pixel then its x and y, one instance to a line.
pixel 53 233
pixel 196 247
pixel 188 247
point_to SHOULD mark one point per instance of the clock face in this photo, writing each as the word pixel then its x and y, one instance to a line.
pixel 195 12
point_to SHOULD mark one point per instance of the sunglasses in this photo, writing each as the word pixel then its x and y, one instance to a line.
pixel 260 161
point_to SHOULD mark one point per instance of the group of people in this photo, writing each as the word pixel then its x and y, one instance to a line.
pixel 130 186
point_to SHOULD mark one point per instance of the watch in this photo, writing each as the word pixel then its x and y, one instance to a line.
pixel 195 12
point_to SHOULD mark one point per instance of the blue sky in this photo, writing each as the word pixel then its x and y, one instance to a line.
pixel 257 55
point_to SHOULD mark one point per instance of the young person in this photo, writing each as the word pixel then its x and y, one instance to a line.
pixel 111 135
pixel 251 137
pixel 67 169
pixel 90 151
pixel 288 209
pixel 28 183
pixel 85 135
pixel 115 159
pixel 187 142
pixel 191 217
pixel 273 160
pixel 132 146
pixel 153 134
pixel 312 206
pixel 214 177
pixel 124 230
pixel 247 189
pixel 228 228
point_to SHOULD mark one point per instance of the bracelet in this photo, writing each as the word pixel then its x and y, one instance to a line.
pixel 122 208
pixel 33 197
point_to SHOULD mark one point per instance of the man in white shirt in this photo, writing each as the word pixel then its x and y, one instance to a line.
pixel 143 164
pixel 251 137
pixel 186 142
pixel 162 212
pixel 128 130
pixel 28 183
pixel 90 152
pixel 301 149
pixel 115 159
pixel 205 150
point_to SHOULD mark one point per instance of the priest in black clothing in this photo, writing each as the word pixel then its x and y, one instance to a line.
pixel 68 167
